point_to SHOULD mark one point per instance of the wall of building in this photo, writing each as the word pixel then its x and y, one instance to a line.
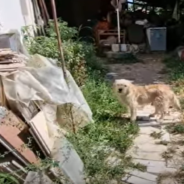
pixel 14 14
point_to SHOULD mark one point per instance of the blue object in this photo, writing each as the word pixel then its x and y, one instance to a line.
pixel 157 39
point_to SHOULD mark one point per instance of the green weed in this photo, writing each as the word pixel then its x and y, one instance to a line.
pixel 176 129
pixel 108 135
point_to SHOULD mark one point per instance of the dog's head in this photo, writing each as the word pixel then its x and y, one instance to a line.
pixel 122 86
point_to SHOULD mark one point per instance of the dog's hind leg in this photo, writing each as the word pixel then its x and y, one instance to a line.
pixel 155 113
pixel 158 104
pixel 165 109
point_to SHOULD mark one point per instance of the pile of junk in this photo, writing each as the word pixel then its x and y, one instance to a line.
pixel 137 26
pixel 38 107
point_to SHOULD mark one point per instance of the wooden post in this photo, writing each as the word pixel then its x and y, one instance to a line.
pixel 118 22
pixel 58 38
pixel 45 9
pixel 42 11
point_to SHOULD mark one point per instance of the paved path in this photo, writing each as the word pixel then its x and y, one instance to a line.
pixel 155 154
pixel 152 152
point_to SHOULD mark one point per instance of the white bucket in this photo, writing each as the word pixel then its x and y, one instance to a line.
pixel 115 47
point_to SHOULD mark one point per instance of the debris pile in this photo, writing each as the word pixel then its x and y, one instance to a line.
pixel 10 61
pixel 37 109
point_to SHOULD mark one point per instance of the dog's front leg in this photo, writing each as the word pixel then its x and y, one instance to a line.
pixel 133 113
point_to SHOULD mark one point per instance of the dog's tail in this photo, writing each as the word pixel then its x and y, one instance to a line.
pixel 176 102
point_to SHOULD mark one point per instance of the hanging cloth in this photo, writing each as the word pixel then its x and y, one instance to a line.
pixel 176 15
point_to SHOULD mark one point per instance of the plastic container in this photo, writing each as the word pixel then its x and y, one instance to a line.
pixel 157 38
pixel 123 47
pixel 115 47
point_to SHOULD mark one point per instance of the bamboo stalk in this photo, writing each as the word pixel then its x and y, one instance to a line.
pixel 42 11
pixel 58 37
pixel 45 9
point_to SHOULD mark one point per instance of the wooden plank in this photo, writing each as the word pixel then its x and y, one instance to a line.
pixel 2 94
pixel 40 128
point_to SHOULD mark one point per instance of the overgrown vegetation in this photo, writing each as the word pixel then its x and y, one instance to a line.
pixel 79 56
pixel 176 78
pixel 8 179
pixel 156 135
pixel 176 129
pixel 109 135
pixel 176 72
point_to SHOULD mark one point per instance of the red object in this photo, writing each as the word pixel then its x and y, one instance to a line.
pixel 10 128
pixel 102 26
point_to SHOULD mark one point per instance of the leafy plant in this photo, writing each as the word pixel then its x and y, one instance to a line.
pixel 176 72
pixel 101 100
pixel 97 141
pixel 176 129
pixel 156 135
pixel 8 179
pixel 79 56
pixel 176 67
pixel 66 32
pixel 109 136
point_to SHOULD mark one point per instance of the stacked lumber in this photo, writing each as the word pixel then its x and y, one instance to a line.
pixel 10 61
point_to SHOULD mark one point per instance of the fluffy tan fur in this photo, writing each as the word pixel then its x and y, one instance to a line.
pixel 165 99
pixel 159 95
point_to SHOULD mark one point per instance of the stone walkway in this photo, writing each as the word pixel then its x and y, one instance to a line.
pixel 150 149
pixel 162 155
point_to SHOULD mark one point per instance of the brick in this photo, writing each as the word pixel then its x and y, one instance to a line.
pixel 148 123
pixel 146 155
pixel 137 180
pixel 143 175
pixel 148 130
pixel 169 181
pixel 159 170
pixel 150 163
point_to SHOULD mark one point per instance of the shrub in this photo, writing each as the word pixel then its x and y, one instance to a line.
pixel 79 56
pixel 8 179
pixel 66 32
pixel 101 100
pixel 108 135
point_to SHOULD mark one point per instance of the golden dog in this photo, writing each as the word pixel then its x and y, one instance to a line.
pixel 159 95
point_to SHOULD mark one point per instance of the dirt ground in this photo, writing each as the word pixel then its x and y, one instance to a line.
pixel 149 70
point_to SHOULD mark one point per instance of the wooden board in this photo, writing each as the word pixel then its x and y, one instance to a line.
pixel 40 128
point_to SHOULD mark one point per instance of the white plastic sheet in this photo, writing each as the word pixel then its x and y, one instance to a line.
pixel 46 84
pixel 37 178
pixel 69 162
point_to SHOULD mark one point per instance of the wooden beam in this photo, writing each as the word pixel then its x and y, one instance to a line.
pixel 58 37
